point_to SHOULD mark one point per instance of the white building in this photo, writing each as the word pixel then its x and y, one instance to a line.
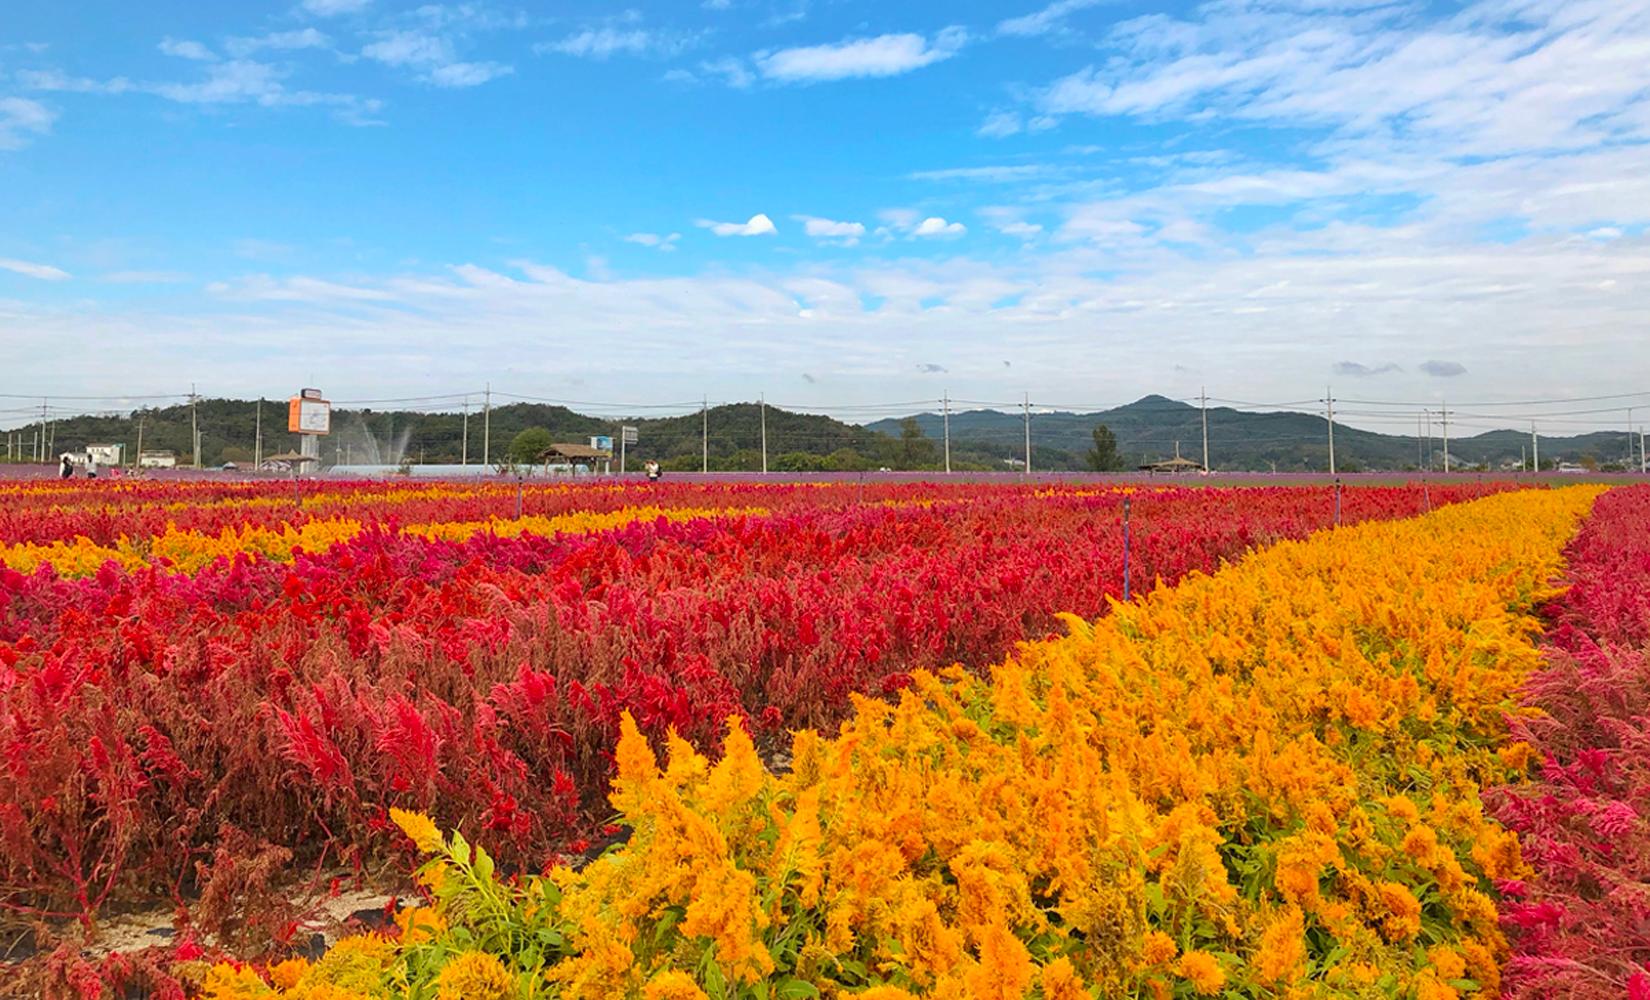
pixel 107 454
pixel 157 459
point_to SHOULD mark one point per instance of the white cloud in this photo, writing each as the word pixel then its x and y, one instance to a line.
pixel 433 56
pixel 883 55
pixel 29 269
pixel 409 48
pixel 463 74
pixel 936 226
pixel 758 225
pixel 332 8
pixel 1046 20
pixel 21 119
pixel 1500 77
pixel 306 38
pixel 658 242
pixel 604 42
pixel 185 49
pixel 839 233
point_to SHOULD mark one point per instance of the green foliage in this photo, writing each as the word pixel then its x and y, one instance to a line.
pixel 1103 457
pixel 526 447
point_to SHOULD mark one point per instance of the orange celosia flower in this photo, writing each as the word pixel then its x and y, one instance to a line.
pixel 1202 970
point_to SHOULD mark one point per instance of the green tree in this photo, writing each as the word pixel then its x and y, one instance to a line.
pixel 1103 456
pixel 527 446
pixel 914 447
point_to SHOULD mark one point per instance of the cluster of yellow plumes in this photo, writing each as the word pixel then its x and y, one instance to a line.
pixel 1257 783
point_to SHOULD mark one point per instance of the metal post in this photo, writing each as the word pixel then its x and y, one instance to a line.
pixel 764 404
pixel 1535 448
pixel 487 427
pixel 194 424
pixel 704 435
pixel 945 405
pixel 1125 550
pixel 1203 398
pixel 621 449
pixel 1028 433
pixel 1337 503
pixel 464 448
pixel 1445 414
pixel 1329 413
pixel 138 456
pixel 518 496
pixel 258 437
pixel 1420 448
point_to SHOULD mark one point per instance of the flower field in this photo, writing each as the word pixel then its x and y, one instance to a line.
pixel 1259 777
pixel 1260 782
pixel 1580 925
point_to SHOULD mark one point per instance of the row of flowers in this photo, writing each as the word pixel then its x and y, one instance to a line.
pixel 1580 926
pixel 148 717
pixel 1263 782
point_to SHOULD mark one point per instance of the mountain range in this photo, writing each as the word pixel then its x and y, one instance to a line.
pixel 1146 430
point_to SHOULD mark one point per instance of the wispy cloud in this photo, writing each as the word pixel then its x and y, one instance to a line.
pixel 333 8
pixel 144 277
pixel 305 38
pixel 654 240
pixel 992 174
pixel 1046 20
pixel 433 56
pixel 1443 369
pixel 1354 369
pixel 29 269
pixel 22 119
pixel 186 49
pixel 758 225
pixel 605 42
pixel 883 55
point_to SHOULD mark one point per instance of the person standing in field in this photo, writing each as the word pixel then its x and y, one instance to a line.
pixel 91 467
pixel 653 471
pixel 67 470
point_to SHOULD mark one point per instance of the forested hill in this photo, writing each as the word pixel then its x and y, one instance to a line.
pixel 1149 429
pixel 1146 430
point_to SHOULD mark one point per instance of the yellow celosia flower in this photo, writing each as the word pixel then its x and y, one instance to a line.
pixel 1282 950
pixel 420 829
pixel 1159 949
pixel 474 975
pixel 234 982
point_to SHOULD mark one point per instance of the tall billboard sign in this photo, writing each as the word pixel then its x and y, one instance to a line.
pixel 310 417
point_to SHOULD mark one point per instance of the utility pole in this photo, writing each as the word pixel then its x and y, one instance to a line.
pixel 41 445
pixel 464 448
pixel 487 427
pixel 1028 433
pixel 704 435
pixel 1420 447
pixel 1644 464
pixel 764 403
pixel 1329 414
pixel 1629 437
pixel 1535 448
pixel 194 424
pixel 945 406
pixel 1203 399
pixel 1429 438
pixel 137 456
pixel 258 436
pixel 1445 414
pixel 1523 466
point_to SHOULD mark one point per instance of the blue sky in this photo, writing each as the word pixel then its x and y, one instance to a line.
pixel 833 202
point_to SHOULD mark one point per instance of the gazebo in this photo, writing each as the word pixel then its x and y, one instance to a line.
pixel 1175 464
pixel 573 454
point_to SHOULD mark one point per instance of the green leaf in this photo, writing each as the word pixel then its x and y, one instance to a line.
pixel 791 988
